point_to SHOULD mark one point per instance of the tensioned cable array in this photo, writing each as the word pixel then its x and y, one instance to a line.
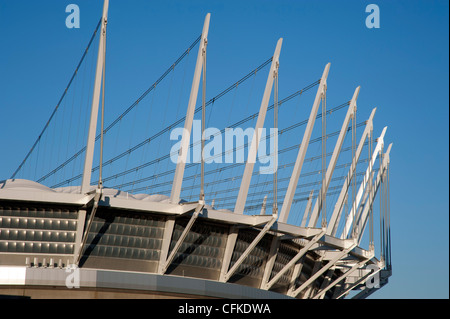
pixel 269 182
pixel 290 148
pixel 165 157
pixel 59 102
pixel 248 118
pixel 179 121
pixel 218 181
pixel 120 186
pixel 165 173
pixel 167 129
pixel 122 115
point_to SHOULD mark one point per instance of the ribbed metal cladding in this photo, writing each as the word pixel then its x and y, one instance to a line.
pixel 251 270
pixel 201 253
pixel 117 238
pixel 37 229
pixel 129 240
pixel 286 252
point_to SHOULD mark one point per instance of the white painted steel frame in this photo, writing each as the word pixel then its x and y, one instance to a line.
pixel 86 179
pixel 361 280
pixel 284 213
pixel 253 150
pixel 165 246
pixel 97 198
pixel 335 217
pixel 249 249
pixel 323 290
pixel 248 171
pixel 337 150
pixel 184 145
pixel 263 207
pixel 363 185
pixel 180 240
pixel 356 236
pixel 363 220
pixel 317 274
pixel 292 262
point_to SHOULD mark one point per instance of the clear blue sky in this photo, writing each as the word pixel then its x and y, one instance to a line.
pixel 402 68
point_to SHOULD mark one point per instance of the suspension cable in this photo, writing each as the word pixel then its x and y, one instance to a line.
pixel 100 171
pixel 275 150
pixel 165 130
pixel 157 160
pixel 121 116
pixel 218 133
pixel 202 180
pixel 323 198
pixel 290 148
pixel 312 173
pixel 59 102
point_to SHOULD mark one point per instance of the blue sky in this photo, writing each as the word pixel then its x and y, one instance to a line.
pixel 402 68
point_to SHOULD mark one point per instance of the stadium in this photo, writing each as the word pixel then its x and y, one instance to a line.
pixel 94 240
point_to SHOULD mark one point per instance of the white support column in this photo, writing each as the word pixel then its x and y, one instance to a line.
pixel 323 290
pixel 303 147
pixel 184 146
pixel 273 252
pixel 96 199
pixel 292 262
pixel 338 215
pixel 228 254
pixel 90 145
pixel 365 198
pixel 316 275
pixel 326 281
pixel 358 282
pixel 253 150
pixel 355 205
pixel 295 273
pixel 335 217
pixel 250 248
pixel 182 237
pixel 309 289
pixel 81 219
pixel 165 246
pixel 337 150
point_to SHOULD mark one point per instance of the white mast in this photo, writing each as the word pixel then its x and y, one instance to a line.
pixel 86 181
pixel 335 217
pixel 337 150
pixel 352 215
pixel 253 150
pixel 303 147
pixel 182 153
